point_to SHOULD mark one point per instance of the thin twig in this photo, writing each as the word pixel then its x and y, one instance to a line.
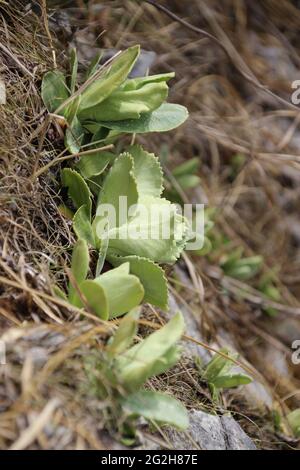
pixel 67 157
pixel 16 60
pixel 46 25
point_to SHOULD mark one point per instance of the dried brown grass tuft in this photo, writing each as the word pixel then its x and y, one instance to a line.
pixel 33 234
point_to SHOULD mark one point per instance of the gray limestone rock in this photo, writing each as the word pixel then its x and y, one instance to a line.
pixel 211 432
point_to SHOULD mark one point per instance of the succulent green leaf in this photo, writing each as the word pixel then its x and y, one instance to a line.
pixel 155 232
pixel 80 261
pixel 74 68
pixel 96 298
pixel 71 110
pixel 167 361
pixel 74 136
pixel 79 265
pixel 188 181
pixel 254 262
pixel 206 248
pixel 112 78
pixel 219 364
pixel 66 211
pixel 293 419
pixel 93 65
pixel 100 135
pixel 125 333
pixel 95 184
pixel 151 276
pixel 187 168
pixel 128 104
pixel 120 182
pixel 157 407
pixel 60 293
pixel 54 90
pixel 229 260
pixel 78 190
pixel 140 82
pixel 218 374
pixel 244 269
pixel 102 248
pixel 231 380
pixel 147 172
pixel 82 226
pixel 142 360
pixel 94 164
pixel 123 291
pixel 165 118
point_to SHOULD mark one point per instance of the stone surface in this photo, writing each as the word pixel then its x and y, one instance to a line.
pixel 235 437
pixel 211 432
pixel 207 431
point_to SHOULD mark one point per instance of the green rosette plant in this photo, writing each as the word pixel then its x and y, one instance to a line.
pixel 107 104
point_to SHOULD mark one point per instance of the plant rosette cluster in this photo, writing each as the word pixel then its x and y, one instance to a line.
pixel 153 234
pixel 136 238
pixel 121 372
pixel 219 373
pixel 108 103
pixel 118 210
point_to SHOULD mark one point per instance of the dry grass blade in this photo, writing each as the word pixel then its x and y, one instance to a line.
pixel 31 433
